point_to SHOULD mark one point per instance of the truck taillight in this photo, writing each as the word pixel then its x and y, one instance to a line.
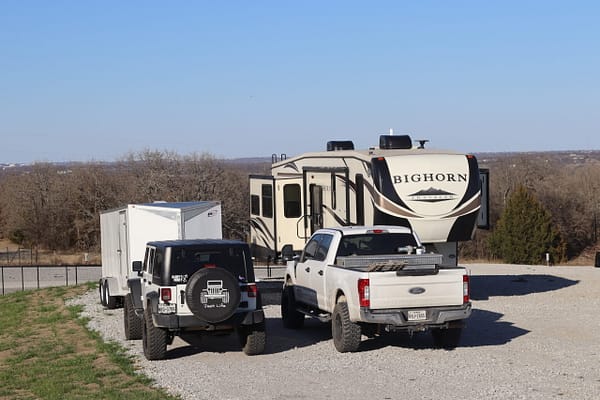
pixel 252 289
pixel 364 295
pixel 165 294
pixel 466 288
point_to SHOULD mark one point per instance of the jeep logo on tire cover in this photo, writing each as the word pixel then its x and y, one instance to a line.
pixel 214 295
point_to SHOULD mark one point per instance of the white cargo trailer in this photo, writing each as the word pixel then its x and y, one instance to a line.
pixel 126 230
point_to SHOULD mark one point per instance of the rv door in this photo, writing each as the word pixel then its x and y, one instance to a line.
pixel 328 200
pixel 316 208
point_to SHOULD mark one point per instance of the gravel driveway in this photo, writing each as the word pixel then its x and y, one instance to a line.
pixel 534 334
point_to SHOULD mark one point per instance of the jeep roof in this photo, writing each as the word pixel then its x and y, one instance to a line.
pixel 184 257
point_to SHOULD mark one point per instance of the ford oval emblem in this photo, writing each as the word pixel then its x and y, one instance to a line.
pixel 416 290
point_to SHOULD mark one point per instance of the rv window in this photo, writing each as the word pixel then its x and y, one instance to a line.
pixel 254 204
pixel 333 191
pixel 291 201
pixel 267 201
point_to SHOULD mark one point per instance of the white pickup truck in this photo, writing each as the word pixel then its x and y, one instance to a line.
pixel 372 279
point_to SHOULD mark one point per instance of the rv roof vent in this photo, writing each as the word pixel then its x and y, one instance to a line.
pixel 389 142
pixel 334 145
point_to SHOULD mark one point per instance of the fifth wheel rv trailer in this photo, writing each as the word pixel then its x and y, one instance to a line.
pixel 125 231
pixel 436 193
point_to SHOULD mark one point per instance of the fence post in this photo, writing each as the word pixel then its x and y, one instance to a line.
pixel 38 276
pixel 2 281
pixel 76 280
pixel 66 275
pixel 22 279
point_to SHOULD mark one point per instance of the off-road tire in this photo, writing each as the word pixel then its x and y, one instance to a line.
pixel 154 340
pixel 133 324
pixel 446 338
pixel 291 318
pixel 198 282
pixel 252 338
pixel 109 301
pixel 346 334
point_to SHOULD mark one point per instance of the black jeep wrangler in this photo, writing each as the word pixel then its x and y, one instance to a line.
pixel 194 286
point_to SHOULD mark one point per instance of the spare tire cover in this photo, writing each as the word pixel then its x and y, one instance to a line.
pixel 213 294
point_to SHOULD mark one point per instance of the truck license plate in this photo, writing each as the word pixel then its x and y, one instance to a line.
pixel 417 315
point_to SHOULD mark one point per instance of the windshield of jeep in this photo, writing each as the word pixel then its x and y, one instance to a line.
pixel 187 260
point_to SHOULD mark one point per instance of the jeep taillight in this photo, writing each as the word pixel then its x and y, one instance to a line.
pixel 465 289
pixel 165 294
pixel 251 288
pixel 364 295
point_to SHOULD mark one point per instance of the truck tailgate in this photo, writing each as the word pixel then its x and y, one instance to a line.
pixel 388 290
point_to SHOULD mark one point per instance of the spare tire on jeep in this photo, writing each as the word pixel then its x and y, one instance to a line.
pixel 213 294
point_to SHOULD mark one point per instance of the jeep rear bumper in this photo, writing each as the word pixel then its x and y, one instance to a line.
pixel 176 322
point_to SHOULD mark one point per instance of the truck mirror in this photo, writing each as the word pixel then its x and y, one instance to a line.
pixel 287 253
pixel 136 266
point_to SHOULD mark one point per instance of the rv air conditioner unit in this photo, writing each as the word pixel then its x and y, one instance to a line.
pixel 389 142
pixel 340 145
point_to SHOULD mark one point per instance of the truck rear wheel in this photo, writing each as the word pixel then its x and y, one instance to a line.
pixel 133 324
pixel 446 338
pixel 346 334
pixel 154 340
pixel 291 318
pixel 252 338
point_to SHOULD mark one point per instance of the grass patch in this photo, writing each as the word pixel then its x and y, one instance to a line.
pixel 46 352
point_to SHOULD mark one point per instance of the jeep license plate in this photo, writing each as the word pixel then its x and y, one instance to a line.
pixel 419 315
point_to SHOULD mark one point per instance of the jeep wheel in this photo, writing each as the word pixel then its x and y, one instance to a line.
pixel 154 340
pixel 446 338
pixel 213 294
pixel 291 318
pixel 132 323
pixel 252 338
pixel 346 334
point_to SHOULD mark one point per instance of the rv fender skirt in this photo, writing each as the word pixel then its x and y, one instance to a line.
pixel 213 294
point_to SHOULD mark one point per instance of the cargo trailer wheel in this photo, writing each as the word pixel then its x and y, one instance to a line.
pixel 133 324
pixel 109 301
pixel 346 334
pixel 446 338
pixel 291 318
pixel 154 340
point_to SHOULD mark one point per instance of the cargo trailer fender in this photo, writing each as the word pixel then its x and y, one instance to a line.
pixel 135 291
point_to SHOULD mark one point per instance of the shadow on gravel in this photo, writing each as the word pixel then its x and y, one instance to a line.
pixel 484 328
pixel 484 286
pixel 279 339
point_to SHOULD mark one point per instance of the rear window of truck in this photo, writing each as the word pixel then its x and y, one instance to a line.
pixel 375 244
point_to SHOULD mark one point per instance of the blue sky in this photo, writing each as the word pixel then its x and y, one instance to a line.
pixel 95 80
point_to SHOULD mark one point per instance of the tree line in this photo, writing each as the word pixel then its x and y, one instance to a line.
pixel 57 207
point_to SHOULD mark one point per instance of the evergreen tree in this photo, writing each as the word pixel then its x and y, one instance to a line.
pixel 525 233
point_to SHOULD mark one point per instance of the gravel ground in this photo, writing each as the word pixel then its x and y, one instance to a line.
pixel 533 334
